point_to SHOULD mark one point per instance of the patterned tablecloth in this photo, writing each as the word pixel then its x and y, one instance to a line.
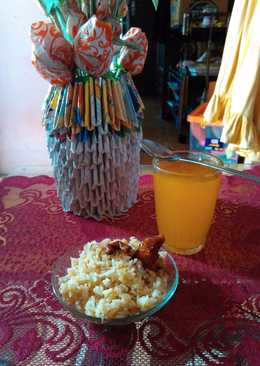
pixel 213 319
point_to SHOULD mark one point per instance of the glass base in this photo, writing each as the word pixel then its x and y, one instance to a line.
pixel 183 251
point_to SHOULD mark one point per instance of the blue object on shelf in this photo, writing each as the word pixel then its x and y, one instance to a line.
pixel 207 139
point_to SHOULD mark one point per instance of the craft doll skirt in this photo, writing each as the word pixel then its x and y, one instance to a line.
pixel 99 177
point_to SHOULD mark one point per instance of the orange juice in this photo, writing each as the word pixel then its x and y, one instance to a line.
pixel 185 198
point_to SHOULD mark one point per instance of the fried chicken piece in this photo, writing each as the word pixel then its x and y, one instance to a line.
pixel 148 251
pixel 116 245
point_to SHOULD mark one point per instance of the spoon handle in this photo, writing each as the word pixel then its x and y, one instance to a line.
pixel 155 149
pixel 231 171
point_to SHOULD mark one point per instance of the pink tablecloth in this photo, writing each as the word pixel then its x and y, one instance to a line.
pixel 213 318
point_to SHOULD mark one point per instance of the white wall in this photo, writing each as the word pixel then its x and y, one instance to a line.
pixel 22 139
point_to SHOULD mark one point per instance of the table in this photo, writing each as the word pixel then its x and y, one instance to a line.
pixel 213 319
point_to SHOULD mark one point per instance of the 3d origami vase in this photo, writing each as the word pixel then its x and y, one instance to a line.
pixel 93 112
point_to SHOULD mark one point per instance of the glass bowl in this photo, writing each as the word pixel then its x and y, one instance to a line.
pixel 63 263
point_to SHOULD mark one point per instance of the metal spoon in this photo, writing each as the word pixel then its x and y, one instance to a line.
pixel 156 150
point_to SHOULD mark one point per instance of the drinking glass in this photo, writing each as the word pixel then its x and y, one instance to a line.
pixel 185 199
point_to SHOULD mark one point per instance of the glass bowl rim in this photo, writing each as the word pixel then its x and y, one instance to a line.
pixel 216 160
pixel 174 281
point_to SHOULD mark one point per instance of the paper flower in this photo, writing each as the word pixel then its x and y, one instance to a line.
pixel 93 47
pixel 75 18
pixel 123 9
pixel 52 54
pixel 133 59
pixel 102 8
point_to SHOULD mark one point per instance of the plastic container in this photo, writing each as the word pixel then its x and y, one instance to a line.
pixel 207 140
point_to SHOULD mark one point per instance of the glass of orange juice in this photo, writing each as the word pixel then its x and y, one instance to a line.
pixel 185 199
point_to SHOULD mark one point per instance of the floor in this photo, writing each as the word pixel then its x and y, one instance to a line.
pixel 154 128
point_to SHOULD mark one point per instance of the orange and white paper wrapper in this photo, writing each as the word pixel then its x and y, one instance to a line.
pixel 93 47
pixel 106 8
pixel 52 54
pixel 123 9
pixel 75 19
pixel 133 60
pixel 102 9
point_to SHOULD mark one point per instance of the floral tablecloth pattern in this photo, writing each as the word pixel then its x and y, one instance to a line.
pixel 213 319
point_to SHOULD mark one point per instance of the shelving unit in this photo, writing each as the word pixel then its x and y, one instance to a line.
pixel 182 89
